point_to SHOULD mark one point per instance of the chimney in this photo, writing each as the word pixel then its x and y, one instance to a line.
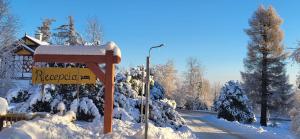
pixel 39 35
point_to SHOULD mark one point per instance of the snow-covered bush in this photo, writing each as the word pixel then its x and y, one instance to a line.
pixel 69 116
pixel 61 107
pixel 162 114
pixel 17 95
pixel 232 104
pixel 120 113
pixel 128 101
pixel 89 103
pixel 157 91
pixel 3 106
pixel 87 110
pixel 195 103
pixel 41 101
pixel 171 103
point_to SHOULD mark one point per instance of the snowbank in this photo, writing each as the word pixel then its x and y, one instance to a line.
pixel 254 130
pixel 57 127
pixel 3 106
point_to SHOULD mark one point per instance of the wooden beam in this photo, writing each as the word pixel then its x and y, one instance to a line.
pixel 117 59
pixel 70 58
pixel 97 71
pixel 109 92
pixel 74 58
pixel 92 61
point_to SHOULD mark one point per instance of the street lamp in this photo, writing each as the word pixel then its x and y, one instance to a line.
pixel 148 89
pixel 143 91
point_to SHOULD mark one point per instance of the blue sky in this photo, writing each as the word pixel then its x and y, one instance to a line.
pixel 210 30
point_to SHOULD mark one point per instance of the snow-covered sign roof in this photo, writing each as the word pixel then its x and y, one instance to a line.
pixel 78 50
pixel 37 41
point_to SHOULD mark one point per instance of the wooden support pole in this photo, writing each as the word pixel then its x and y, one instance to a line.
pixel 109 92
pixel 92 61
pixel 94 67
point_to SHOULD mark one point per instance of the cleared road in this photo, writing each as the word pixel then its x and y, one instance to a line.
pixel 204 129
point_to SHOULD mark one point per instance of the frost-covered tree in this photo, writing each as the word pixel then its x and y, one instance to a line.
pixel 8 25
pixel 166 75
pixel 179 94
pixel 195 103
pixel 232 104
pixel 194 76
pixel 93 31
pixel 265 79
pixel 296 57
pixel 8 31
pixel 295 111
pixel 45 29
pixel 206 89
pixel 215 91
pixel 195 86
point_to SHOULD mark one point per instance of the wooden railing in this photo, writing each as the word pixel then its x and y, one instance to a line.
pixel 14 117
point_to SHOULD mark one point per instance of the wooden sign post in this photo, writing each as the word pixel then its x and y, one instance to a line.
pixel 91 56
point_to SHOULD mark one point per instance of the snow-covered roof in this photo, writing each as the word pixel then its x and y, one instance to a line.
pixel 78 50
pixel 37 41
pixel 28 48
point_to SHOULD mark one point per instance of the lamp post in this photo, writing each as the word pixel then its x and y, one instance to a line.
pixel 143 91
pixel 148 89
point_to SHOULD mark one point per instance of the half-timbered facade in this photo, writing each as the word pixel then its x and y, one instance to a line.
pixel 22 56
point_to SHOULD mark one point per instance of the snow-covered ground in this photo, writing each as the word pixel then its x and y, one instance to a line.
pixel 88 106
pixel 58 127
pixel 126 113
pixel 5 86
pixel 213 127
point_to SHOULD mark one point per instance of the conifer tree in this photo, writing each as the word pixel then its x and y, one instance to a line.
pixel 45 29
pixel 232 104
pixel 72 38
pixel 265 79
pixel 66 34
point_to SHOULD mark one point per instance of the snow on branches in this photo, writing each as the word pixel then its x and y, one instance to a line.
pixel 89 105
pixel 232 104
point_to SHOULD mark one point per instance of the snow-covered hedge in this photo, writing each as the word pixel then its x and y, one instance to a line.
pixel 89 104
pixel 232 104
pixel 128 101
pixel 195 103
